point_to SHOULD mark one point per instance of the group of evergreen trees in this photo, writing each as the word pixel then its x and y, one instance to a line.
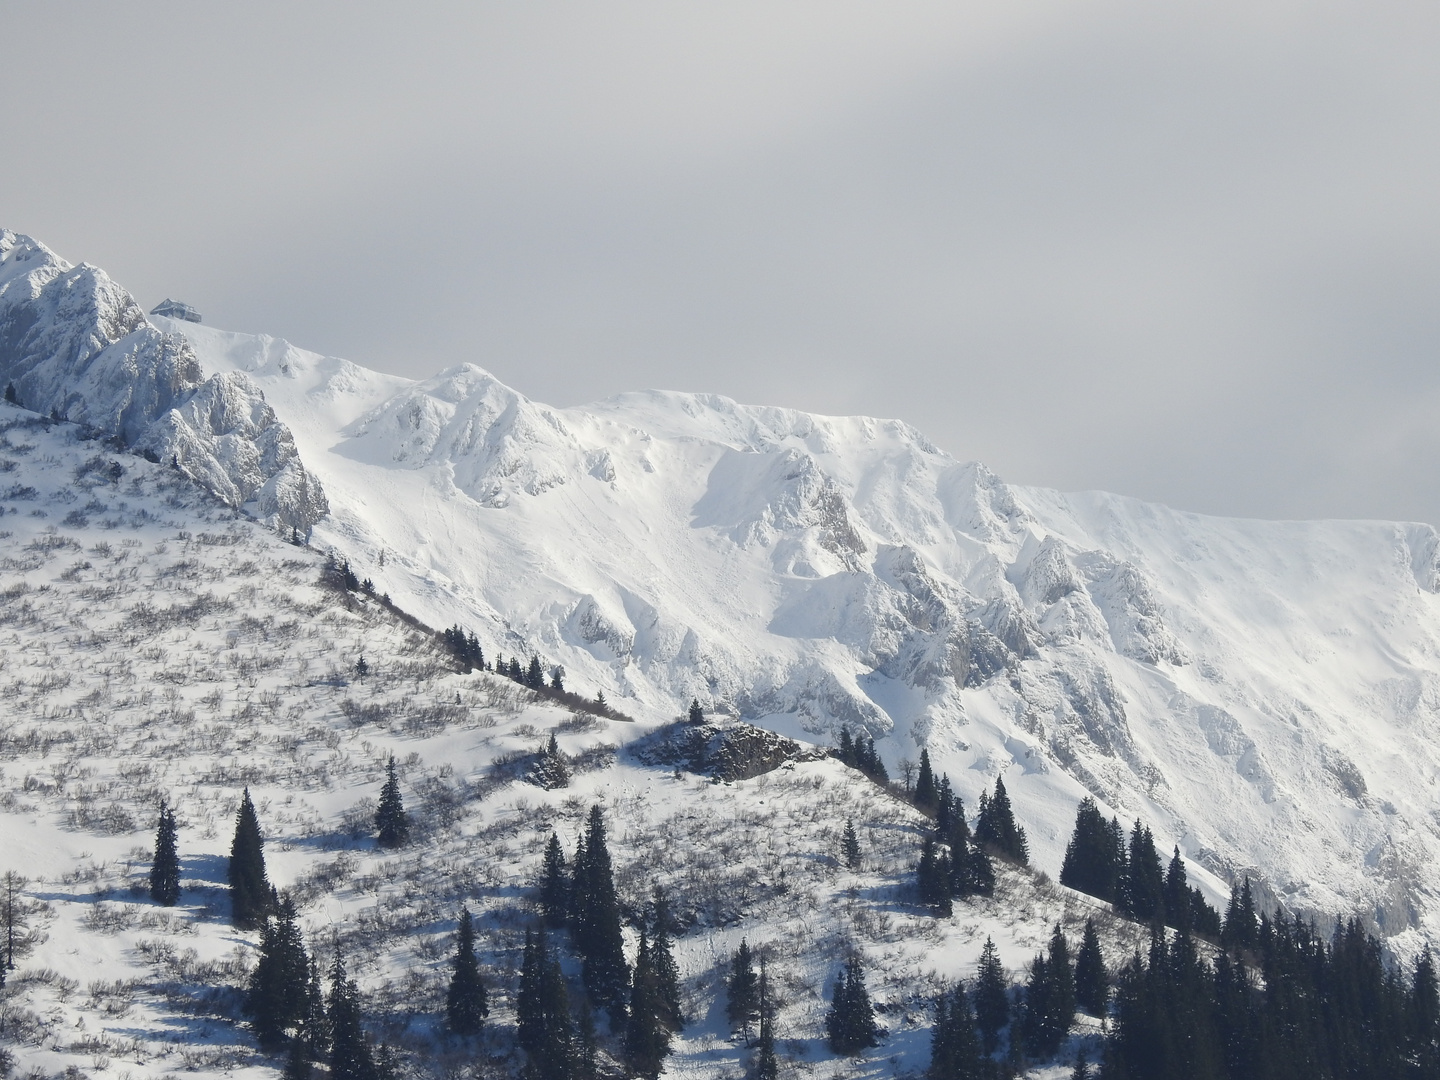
pixel 288 1009
pixel 850 1023
pixel 464 646
pixel 1098 862
pixel 1313 1009
pixel 859 753
pixel 954 862
pixel 968 1025
pixel 643 1005
pixel 749 998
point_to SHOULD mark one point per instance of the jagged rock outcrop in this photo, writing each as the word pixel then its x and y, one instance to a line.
pixel 76 345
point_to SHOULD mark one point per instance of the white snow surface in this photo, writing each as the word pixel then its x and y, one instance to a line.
pixel 1263 694
pixel 155 644
pixel 74 344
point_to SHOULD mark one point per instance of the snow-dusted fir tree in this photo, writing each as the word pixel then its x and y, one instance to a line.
pixel 392 824
pixel 165 870
pixel 596 920
pixel 850 1023
pixel 251 898
pixel 466 1003
pixel 554 896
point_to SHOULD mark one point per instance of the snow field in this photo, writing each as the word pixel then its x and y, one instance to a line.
pixel 153 644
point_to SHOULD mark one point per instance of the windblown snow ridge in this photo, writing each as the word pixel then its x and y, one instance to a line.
pixel 76 345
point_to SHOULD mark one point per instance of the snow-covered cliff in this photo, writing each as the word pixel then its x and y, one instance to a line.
pixel 1265 694
pixel 75 344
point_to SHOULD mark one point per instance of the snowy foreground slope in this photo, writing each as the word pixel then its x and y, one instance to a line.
pixel 154 644
pixel 1262 694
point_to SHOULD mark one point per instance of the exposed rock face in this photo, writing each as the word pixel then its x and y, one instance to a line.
pixel 76 345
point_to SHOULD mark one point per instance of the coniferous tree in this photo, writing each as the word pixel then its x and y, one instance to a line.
pixel 466 1003
pixel 1094 855
pixel 1082 1067
pixel 973 871
pixel 165 871
pixel 1177 896
pixel 1240 930
pixel 996 829
pixel 535 675
pixel 992 998
pixel 925 784
pixel 554 885
pixel 850 846
pixel 542 1012
pixel 516 672
pixel 954 1044
pixel 392 824
pixel 350 1054
pixel 557 680
pixel 697 714
pixel 1142 890
pixel 850 1023
pixel 662 963
pixel 579 888
pixel 646 1041
pixel 362 667
pixel 932 877
pixel 767 1067
pixel 277 994
pixel 846 752
pixel 1092 980
pixel 314 1034
pixel 948 809
pixel 742 988
pixel 597 926
pixel 251 898
pixel 1050 998
pixel 551 771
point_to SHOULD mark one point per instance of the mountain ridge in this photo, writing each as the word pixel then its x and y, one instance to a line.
pixel 1264 693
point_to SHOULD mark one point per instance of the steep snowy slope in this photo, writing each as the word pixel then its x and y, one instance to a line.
pixel 155 645
pixel 74 344
pixel 1264 694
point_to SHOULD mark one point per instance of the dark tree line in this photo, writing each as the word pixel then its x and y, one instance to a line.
pixel 1099 862
pixel 1312 1009
pixel 859 753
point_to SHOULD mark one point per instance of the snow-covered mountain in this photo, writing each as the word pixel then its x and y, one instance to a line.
pixel 156 645
pixel 1264 694
pixel 73 344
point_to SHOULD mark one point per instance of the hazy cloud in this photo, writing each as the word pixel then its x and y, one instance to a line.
pixel 1188 252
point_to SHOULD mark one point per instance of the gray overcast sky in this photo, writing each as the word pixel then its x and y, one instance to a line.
pixel 1184 251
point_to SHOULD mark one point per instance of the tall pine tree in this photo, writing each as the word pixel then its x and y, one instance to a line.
pixel 996 829
pixel 647 1042
pixel 925 784
pixel 554 885
pixel 597 931
pixel 392 824
pixel 165 871
pixel 992 997
pixel 767 1066
pixel 251 898
pixel 742 1002
pixel 277 995
pixel 1092 980
pixel 850 1023
pixel 350 1054
pixel 466 1003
